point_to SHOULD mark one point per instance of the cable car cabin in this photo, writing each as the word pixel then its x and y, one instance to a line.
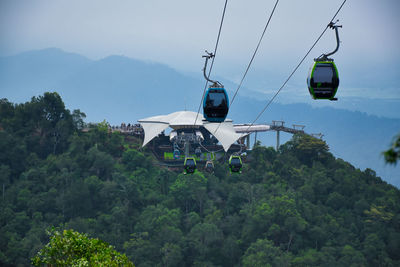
pixel 189 165
pixel 235 163
pixel 209 167
pixel 216 104
pixel 323 80
pixel 176 154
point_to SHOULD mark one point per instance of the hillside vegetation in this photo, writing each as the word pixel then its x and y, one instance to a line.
pixel 299 206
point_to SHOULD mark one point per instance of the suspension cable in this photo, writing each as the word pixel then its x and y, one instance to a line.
pixel 252 58
pixel 296 68
pixel 254 54
pixel 212 62
pixel 210 151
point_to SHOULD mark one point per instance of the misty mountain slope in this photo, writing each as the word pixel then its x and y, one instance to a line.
pixel 115 88
pixel 119 89
pixel 35 71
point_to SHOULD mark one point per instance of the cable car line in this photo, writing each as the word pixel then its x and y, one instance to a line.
pixel 212 62
pixel 209 151
pixel 235 162
pixel 255 52
pixel 252 58
pixel 298 65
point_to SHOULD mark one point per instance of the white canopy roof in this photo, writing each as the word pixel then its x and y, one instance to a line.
pixel 153 126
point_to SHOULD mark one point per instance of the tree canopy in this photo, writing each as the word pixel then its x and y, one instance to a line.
pixel 70 248
pixel 298 206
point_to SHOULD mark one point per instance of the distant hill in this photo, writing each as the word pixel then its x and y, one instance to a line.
pixel 121 89
pixel 36 71
pixel 115 88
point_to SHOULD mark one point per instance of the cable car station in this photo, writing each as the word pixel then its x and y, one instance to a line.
pixel 196 144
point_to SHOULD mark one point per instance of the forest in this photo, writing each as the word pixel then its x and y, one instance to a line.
pixel 298 206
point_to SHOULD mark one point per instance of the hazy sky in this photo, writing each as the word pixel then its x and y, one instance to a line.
pixel 177 32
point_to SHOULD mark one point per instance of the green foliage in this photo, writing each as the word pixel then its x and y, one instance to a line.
pixel 191 193
pixel 71 248
pixel 351 257
pixel 134 159
pixel 298 206
pixel 307 149
pixel 392 155
pixel 204 238
pixel 264 253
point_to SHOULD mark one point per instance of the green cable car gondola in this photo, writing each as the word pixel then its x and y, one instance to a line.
pixel 189 165
pixel 235 163
pixel 323 79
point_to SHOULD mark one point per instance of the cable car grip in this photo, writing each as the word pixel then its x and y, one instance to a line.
pixel 215 83
pixel 324 57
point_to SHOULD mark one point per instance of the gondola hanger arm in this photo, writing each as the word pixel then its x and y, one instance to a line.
pixel 324 57
pixel 208 56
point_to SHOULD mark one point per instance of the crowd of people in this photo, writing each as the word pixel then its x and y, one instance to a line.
pixel 131 128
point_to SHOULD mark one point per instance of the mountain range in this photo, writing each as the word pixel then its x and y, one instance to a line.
pixel 120 89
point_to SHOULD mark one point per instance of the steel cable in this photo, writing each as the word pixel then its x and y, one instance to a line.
pixel 212 62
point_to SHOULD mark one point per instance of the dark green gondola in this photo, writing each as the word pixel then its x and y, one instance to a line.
pixel 189 165
pixel 323 78
pixel 235 164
